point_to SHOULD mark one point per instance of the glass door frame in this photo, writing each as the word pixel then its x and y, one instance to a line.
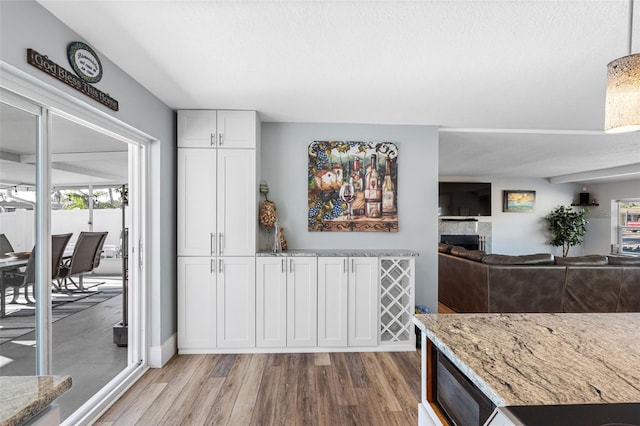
pixel 23 91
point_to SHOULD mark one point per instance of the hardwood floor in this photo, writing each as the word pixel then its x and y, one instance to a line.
pixel 381 388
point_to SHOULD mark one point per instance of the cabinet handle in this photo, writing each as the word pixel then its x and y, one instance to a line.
pixel 212 242
pixel 220 244
pixel 353 268
pixel 344 266
pixel 213 266
pixel 290 265
pixel 220 263
pixel 282 262
pixel 220 139
pixel 213 139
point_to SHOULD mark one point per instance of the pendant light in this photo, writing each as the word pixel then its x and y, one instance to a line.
pixel 622 108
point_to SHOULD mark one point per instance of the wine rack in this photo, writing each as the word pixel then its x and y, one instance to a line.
pixel 397 281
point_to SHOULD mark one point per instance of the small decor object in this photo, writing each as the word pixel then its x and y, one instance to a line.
pixel 352 186
pixel 277 241
pixel 283 241
pixel 568 227
pixel 519 201
pixel 84 61
pixel 267 214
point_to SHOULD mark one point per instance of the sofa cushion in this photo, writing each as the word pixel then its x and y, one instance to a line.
pixel 624 260
pixel 527 259
pixel 444 248
pixel 590 260
pixel 467 254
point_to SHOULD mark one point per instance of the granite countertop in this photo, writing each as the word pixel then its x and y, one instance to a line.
pixel 341 252
pixel 23 397
pixel 543 359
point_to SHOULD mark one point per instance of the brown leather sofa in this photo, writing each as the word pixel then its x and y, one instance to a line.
pixel 472 281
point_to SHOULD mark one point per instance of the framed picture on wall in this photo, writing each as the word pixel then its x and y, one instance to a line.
pixel 352 186
pixel 519 201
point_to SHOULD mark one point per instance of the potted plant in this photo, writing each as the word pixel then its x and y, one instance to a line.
pixel 568 227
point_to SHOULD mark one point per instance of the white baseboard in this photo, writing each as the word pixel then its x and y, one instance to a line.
pixel 160 355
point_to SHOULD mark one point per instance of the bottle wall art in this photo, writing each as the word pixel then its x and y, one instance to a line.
pixel 353 186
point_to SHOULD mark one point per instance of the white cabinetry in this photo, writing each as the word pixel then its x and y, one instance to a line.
pixel 216 202
pixel 216 300
pixel 216 215
pixel 286 307
pixel 397 300
pixel 347 301
pixel 222 129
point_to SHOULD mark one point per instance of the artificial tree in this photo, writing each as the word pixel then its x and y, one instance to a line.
pixel 568 227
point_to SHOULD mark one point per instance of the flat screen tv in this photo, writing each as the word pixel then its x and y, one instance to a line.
pixel 464 199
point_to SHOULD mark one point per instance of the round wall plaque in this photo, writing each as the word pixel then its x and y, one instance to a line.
pixel 84 61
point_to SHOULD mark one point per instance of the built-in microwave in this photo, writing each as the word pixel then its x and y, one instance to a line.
pixel 458 398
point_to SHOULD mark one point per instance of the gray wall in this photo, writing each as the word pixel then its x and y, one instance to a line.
pixel 601 230
pixel 284 168
pixel 26 24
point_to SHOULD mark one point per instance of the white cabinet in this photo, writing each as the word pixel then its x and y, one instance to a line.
pixel 196 302
pixel 222 129
pixel 397 300
pixel 236 301
pixel 302 304
pixel 271 302
pixel 216 302
pixel 216 202
pixel 286 308
pixel 216 222
pixel 347 301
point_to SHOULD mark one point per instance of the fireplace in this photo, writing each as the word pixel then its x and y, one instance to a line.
pixel 468 241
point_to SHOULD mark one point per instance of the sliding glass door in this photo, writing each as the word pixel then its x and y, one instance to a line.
pixel 72 225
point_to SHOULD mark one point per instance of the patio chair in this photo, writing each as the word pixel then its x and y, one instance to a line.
pixel 27 277
pixel 85 258
pixel 5 246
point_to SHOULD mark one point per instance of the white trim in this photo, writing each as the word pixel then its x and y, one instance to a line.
pixel 613 172
pixel 99 403
pixel 160 355
pixel 521 131
pixel 300 350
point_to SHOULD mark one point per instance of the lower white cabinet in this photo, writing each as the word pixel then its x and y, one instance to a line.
pixel 216 303
pixel 286 307
pixel 347 301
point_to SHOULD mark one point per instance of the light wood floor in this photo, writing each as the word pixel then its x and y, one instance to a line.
pixel 284 389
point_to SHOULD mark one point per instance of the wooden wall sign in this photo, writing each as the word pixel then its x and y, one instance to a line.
pixel 43 63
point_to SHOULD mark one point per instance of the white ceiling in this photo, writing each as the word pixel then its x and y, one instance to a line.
pixel 517 86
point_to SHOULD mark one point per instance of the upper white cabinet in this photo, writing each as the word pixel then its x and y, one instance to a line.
pixel 217 202
pixel 347 301
pixel 217 129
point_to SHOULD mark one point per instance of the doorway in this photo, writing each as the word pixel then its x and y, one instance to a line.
pixel 48 153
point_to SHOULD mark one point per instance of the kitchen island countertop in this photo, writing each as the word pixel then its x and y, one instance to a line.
pixel 23 397
pixel 543 359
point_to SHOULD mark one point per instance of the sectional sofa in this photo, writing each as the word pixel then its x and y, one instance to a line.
pixel 472 281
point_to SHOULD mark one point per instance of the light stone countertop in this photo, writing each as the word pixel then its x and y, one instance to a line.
pixel 543 359
pixel 340 253
pixel 23 397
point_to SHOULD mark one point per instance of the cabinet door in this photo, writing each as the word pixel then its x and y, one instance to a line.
pixel 332 301
pixel 196 303
pixel 196 128
pixel 237 129
pixel 237 211
pixel 363 301
pixel 302 301
pixel 271 302
pixel 236 297
pixel 196 202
